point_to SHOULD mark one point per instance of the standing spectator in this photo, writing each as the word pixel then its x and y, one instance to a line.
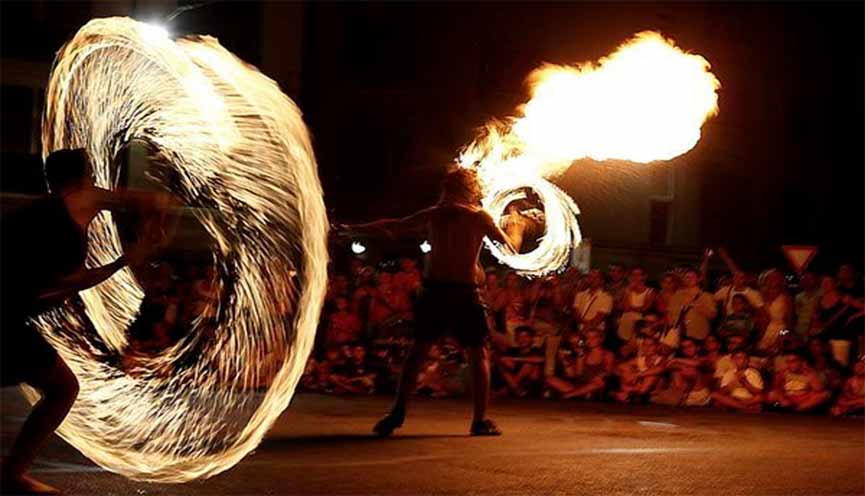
pixel 834 310
pixel 778 308
pixel 545 300
pixel 617 283
pixel 513 306
pixel 797 387
pixel 593 306
pixel 669 286
pixel 585 369
pixel 739 286
pixel 344 326
pixel 408 279
pixel 740 321
pixel 520 366
pixel 637 300
pixel 849 282
pixel 852 398
pixel 806 302
pixel 390 302
pixel 741 386
pixel 692 308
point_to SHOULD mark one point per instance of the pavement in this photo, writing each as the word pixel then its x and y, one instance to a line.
pixel 322 445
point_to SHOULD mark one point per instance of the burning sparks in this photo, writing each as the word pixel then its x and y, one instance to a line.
pixel 645 102
pixel 238 146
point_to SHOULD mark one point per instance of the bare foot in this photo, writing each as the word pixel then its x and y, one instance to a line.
pixel 25 484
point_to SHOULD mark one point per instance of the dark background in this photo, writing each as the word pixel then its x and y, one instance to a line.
pixel 391 91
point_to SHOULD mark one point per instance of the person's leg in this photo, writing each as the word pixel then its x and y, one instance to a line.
pixel 409 375
pixel 811 400
pixel 479 360
pixel 59 388
pixel 594 386
pixel 559 385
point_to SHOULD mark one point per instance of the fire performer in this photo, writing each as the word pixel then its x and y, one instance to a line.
pixel 450 299
pixel 44 246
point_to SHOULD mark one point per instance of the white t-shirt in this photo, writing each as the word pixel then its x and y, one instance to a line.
pixel 737 390
pixel 588 303
pixel 726 293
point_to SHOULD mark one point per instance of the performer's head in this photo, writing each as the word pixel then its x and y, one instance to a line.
pixel 67 170
pixel 461 185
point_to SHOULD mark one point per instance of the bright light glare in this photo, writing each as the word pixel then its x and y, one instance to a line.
pixel 425 247
pixel 357 248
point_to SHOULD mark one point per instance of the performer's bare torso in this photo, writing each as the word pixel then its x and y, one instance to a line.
pixel 455 233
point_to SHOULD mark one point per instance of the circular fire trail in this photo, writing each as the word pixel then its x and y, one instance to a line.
pixel 238 149
pixel 645 102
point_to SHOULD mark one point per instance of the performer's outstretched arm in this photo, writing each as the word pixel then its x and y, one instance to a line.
pixel 393 228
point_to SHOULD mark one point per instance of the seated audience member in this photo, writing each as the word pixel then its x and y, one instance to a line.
pixel 441 375
pixel 521 366
pixel 742 386
pixel 593 305
pixel 344 326
pixel 585 367
pixel 797 387
pixel 852 398
pixel 740 319
pixel 725 362
pixel 821 361
pixel 354 375
pixel 639 376
pixel 711 352
pixel 333 360
pixel 688 384
pixel 309 381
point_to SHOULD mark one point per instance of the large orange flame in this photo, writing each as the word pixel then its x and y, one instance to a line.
pixel 645 102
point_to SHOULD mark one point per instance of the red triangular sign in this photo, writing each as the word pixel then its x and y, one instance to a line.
pixel 799 256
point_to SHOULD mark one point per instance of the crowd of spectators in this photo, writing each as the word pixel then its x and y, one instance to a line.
pixel 747 343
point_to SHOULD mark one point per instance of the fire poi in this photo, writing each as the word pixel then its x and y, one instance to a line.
pixel 238 146
pixel 645 102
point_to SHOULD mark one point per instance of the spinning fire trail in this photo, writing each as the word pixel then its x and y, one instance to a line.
pixel 238 146
pixel 645 102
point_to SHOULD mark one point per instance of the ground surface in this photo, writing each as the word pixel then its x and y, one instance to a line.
pixel 321 445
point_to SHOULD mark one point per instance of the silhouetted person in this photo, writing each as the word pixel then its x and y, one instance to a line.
pixel 44 245
pixel 450 300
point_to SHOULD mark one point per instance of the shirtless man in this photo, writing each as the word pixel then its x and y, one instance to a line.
pixel 44 245
pixel 450 300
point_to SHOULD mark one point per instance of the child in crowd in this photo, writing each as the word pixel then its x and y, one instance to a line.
pixel 688 384
pixel 585 367
pixel 852 398
pixel 741 386
pixel 344 325
pixel 797 387
pixel 639 376
pixel 521 366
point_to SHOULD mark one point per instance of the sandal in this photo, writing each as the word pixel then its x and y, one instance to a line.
pixel 485 427
pixel 388 424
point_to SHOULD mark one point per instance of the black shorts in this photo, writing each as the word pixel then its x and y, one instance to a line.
pixel 451 308
pixel 24 351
